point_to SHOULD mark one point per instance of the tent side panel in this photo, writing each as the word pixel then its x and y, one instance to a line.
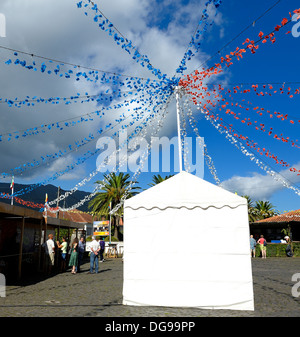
pixel 179 257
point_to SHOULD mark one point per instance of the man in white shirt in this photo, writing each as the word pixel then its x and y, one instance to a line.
pixel 50 251
pixel 95 248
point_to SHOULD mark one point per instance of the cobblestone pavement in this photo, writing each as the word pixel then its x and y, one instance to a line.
pixel 100 295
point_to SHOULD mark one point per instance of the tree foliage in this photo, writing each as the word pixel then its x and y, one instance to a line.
pixel 113 190
pixel 158 179
pixel 258 210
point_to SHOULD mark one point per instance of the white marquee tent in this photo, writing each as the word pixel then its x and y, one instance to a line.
pixel 186 244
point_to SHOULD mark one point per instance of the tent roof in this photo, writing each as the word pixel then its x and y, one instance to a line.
pixel 185 190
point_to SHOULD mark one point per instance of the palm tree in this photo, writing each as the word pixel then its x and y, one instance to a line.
pixel 251 210
pixel 158 179
pixel 115 187
pixel 260 210
pixel 264 210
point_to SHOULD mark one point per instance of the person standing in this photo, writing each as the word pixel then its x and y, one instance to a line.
pixel 81 250
pixel 74 256
pixel 288 249
pixel 252 246
pixel 50 252
pixel 102 248
pixel 63 246
pixel 263 246
pixel 95 248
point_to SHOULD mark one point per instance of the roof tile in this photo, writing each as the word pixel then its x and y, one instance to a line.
pixel 285 217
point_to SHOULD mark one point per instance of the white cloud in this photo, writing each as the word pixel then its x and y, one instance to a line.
pixel 260 186
pixel 57 29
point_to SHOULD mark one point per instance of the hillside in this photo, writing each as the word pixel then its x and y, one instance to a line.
pixel 38 195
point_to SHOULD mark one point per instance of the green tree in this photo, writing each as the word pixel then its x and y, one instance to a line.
pixel 113 191
pixel 264 209
pixel 288 232
pixel 156 179
pixel 259 210
pixel 251 210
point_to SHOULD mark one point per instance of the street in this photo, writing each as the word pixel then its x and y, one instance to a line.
pixel 100 295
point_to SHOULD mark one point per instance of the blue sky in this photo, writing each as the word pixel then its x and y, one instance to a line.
pixel 162 30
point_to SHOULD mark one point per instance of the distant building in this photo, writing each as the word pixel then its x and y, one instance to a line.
pixel 272 227
pixel 22 234
pixel 85 219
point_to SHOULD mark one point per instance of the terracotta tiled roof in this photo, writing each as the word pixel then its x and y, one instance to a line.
pixel 285 217
pixel 74 216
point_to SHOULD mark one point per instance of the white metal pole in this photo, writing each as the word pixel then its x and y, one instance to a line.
pixel 109 228
pixel 178 129
pixel 110 223
pixel 12 185
pixel 12 196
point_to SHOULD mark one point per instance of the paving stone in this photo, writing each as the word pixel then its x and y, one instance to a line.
pixel 100 295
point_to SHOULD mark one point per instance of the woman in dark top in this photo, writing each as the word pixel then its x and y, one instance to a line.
pixel 74 256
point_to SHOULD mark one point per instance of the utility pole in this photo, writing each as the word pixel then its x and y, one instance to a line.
pixel 57 202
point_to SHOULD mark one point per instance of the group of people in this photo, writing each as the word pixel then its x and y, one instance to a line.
pixel 263 246
pixel 262 243
pixel 76 252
